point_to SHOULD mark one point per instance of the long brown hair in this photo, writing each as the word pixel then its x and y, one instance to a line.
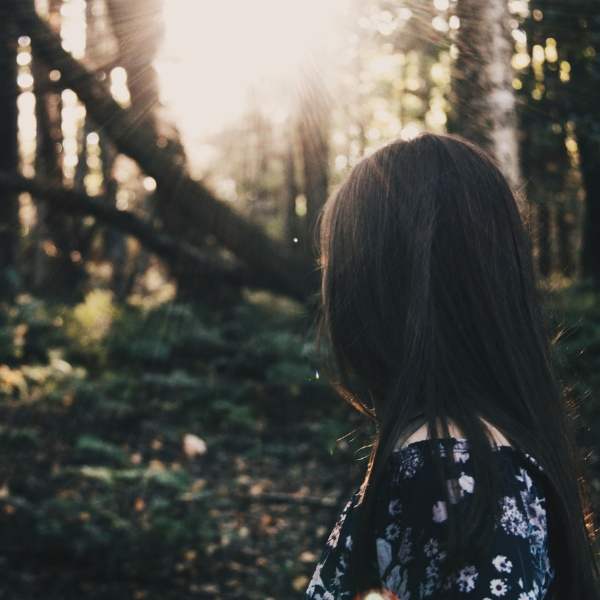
pixel 429 305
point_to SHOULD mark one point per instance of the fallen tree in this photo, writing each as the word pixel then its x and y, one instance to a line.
pixel 279 269
pixel 211 268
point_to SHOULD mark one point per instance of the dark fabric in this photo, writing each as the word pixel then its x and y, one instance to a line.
pixel 411 528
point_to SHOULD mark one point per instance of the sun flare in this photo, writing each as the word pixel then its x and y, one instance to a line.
pixel 217 52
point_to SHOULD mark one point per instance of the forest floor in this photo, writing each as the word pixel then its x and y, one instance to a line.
pixel 164 453
pixel 173 453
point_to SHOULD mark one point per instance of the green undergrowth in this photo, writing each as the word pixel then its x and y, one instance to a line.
pixel 96 401
pixel 97 485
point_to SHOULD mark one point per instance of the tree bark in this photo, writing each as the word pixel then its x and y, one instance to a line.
pixel 9 150
pixel 197 204
pixel 484 99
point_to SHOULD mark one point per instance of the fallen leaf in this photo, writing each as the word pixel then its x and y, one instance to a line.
pixel 193 445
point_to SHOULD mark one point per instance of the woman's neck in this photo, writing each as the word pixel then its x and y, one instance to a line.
pixel 418 426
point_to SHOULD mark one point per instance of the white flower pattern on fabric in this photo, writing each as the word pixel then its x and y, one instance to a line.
pixel 439 511
pixel 466 578
pixel 460 451
pixel 466 482
pixel 392 531
pixel 333 538
pixel 384 554
pixel 404 550
pixel 394 507
pixel 411 526
pixel 498 587
pixel 431 548
pixel 397 582
pixel 512 520
pixel 455 492
pixel 502 564
pixel 412 461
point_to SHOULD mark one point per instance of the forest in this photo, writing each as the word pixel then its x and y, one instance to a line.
pixel 167 428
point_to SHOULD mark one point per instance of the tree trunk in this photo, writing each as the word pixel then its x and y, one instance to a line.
pixel 558 172
pixel 291 193
pixel 270 258
pixel 9 151
pixel 564 234
pixel 138 27
pixel 544 236
pixel 260 202
pixel 100 50
pixel 313 133
pixel 56 234
pixel 483 96
pixel 124 270
pixel 589 153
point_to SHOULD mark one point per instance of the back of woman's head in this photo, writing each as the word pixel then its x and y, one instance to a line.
pixel 430 306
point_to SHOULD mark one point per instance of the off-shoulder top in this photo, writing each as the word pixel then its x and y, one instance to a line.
pixel 411 526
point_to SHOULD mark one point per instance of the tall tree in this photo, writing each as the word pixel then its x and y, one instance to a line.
pixel 9 152
pixel 138 27
pixel 53 270
pixel 291 191
pixel 260 130
pixel 101 49
pixel 313 135
pixel 483 96
pixel 589 152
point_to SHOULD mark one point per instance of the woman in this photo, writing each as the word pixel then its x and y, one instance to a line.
pixel 474 487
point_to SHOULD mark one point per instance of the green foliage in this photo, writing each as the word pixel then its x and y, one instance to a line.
pixel 96 400
pixel 132 517
pixel 28 329
pixel 16 439
pixel 89 322
pixel 90 448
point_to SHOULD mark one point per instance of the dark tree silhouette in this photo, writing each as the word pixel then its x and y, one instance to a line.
pixel 9 156
pixel 53 272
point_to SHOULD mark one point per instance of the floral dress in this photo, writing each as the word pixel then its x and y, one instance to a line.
pixel 411 526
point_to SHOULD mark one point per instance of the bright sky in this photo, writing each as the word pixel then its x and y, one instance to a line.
pixel 215 50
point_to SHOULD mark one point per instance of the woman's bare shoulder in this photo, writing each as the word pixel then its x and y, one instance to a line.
pixel 421 434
